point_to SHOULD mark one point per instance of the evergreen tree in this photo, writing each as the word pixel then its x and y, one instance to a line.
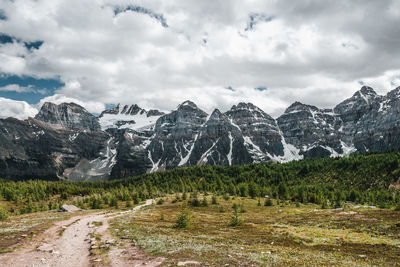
pixel 183 220
pixel 236 220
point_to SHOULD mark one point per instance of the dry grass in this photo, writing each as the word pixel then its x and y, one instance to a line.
pixel 282 236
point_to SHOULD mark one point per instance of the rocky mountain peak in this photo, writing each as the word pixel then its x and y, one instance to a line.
pixel 139 141
pixel 298 106
pixel 247 111
pixel 132 110
pixel 395 93
pixel 187 105
pixel 129 116
pixel 114 110
pixel 366 90
pixel 358 104
pixel 365 94
pixel 154 112
pixel 216 115
pixel 246 106
pixel 68 115
pixel 189 109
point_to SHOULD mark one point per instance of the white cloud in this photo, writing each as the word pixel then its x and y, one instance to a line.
pixel 313 51
pixel 17 109
pixel 21 89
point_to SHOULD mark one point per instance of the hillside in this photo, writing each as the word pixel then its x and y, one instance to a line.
pixel 367 179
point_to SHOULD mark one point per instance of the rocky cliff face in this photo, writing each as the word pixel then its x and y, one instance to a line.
pixel 314 131
pixel 68 115
pixel 378 129
pixel 364 122
pixel 189 136
pixel 260 132
pixel 32 149
pixel 65 141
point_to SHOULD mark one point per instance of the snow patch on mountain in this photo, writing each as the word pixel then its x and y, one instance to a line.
pixel 126 121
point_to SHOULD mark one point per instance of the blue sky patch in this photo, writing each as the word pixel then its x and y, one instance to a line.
pixel 261 88
pixel 5 38
pixel 3 15
pixel 230 88
pixel 40 87
pixel 255 18
pixel 142 10
pixel 33 45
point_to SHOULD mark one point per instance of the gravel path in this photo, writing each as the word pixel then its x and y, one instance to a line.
pixel 72 247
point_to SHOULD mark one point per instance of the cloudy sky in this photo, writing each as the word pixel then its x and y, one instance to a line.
pixel 158 53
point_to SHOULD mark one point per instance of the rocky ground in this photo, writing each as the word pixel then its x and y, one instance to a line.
pixel 80 241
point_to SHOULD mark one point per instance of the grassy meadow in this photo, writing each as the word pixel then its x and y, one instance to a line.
pixel 285 234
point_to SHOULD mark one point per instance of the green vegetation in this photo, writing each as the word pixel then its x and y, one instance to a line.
pixel 256 214
pixel 279 235
pixel 3 214
pixel 236 220
pixel 371 179
pixel 183 219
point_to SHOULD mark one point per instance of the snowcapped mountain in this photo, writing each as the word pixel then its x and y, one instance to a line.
pixel 129 117
pixel 67 142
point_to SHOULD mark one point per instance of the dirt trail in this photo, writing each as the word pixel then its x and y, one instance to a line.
pixel 72 247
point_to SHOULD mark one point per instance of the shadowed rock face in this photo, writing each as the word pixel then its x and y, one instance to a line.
pixel 379 128
pixel 261 134
pixel 64 141
pixel 310 129
pixel 364 122
pixel 68 115
pixel 31 149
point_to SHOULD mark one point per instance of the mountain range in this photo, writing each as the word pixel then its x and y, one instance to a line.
pixel 67 142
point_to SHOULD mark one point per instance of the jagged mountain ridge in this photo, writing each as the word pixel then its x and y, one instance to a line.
pixel 126 141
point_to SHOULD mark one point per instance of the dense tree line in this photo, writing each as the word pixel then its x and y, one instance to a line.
pixel 365 179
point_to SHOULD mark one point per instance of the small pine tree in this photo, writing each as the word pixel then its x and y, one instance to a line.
pixel 3 214
pixel 183 219
pixel 325 204
pixel 214 200
pixel 204 202
pixel 268 202
pixel 194 201
pixel 96 203
pixel 51 205
pixel 135 199
pixel 242 209
pixel 236 220
pixel 397 207
pixel 114 202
